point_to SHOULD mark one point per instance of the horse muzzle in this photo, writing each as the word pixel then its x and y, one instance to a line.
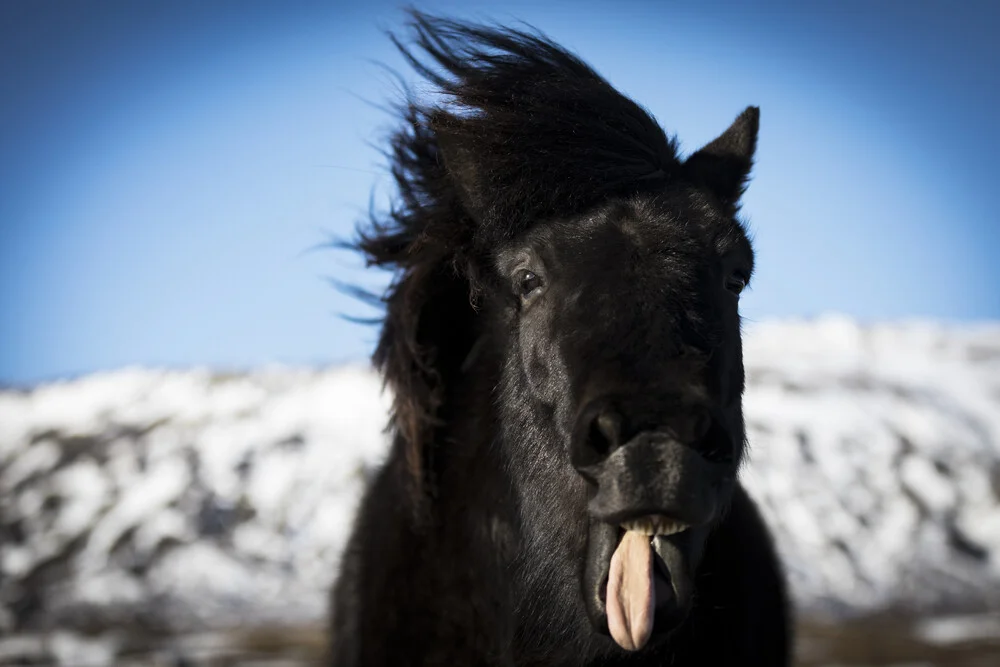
pixel 654 501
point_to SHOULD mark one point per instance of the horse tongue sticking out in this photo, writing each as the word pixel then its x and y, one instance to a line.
pixel 631 599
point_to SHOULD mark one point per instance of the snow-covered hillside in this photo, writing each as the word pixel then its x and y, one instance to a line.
pixel 184 495
pixel 193 499
pixel 875 454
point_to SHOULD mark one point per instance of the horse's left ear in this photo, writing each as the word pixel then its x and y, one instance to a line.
pixel 723 165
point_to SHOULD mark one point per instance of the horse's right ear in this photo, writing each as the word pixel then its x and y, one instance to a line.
pixel 465 170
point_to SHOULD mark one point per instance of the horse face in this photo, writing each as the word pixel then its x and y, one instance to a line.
pixel 625 373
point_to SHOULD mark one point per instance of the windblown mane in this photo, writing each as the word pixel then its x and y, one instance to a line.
pixel 521 130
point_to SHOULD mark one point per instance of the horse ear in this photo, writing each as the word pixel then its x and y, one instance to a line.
pixel 724 164
pixel 465 171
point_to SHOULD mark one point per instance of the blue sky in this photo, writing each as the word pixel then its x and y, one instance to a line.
pixel 168 171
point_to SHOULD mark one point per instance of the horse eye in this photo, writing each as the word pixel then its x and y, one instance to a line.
pixel 528 282
pixel 735 283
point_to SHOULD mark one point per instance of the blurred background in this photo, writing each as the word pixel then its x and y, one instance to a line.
pixel 172 175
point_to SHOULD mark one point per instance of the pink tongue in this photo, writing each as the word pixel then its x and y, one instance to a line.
pixel 631 598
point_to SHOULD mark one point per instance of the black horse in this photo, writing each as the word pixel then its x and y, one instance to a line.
pixel 562 338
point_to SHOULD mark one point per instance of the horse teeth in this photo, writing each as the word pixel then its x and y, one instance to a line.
pixel 654 525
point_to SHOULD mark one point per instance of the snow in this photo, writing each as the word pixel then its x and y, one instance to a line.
pixel 876 457
pixel 146 490
pixel 202 500
pixel 72 649
pixel 959 628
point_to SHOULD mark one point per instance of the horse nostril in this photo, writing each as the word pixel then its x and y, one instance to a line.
pixel 701 422
pixel 597 433
pixel 605 432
